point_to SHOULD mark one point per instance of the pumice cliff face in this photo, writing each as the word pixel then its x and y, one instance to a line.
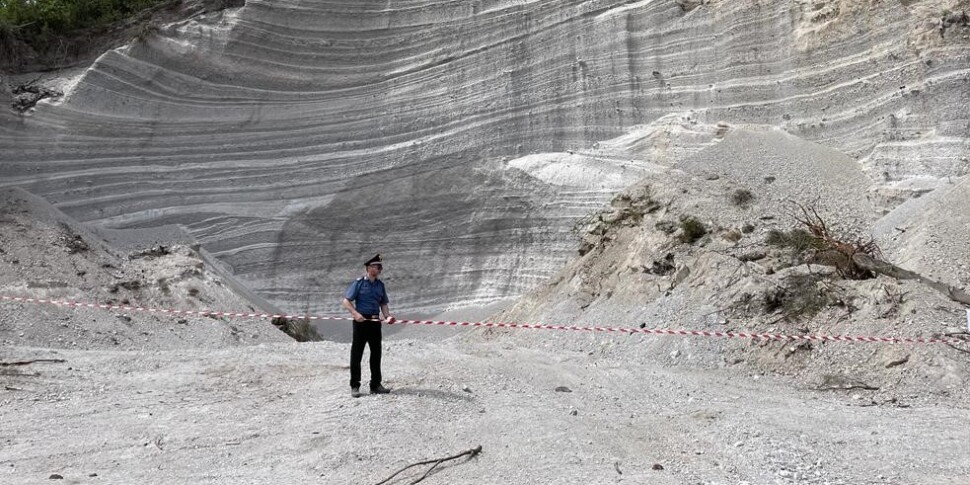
pixel 463 139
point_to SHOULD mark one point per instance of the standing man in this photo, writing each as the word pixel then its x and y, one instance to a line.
pixel 364 298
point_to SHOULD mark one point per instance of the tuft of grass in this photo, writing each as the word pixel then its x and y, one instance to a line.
pixel 800 298
pixel 147 31
pixel 742 198
pixel 164 286
pixel 299 329
pixel 691 230
pixel 798 241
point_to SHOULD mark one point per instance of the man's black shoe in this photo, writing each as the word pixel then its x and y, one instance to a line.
pixel 354 392
pixel 379 390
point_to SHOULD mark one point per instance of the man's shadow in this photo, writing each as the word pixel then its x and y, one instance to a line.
pixel 433 394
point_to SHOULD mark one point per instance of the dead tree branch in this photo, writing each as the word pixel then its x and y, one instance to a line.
pixel 434 464
pixel 862 259
pixel 28 362
pixel 836 251
pixel 893 271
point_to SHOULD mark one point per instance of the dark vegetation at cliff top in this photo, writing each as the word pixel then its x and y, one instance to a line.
pixel 49 34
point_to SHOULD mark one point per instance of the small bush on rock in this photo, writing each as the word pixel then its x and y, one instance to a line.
pixel 691 230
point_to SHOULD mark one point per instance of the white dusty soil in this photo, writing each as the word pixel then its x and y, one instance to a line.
pixel 282 413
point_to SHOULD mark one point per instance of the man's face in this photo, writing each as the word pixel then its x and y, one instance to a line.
pixel 373 270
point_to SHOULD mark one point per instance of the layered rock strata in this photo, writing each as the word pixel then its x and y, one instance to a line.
pixel 295 137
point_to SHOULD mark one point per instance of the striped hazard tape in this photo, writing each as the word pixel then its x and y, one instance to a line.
pixel 571 328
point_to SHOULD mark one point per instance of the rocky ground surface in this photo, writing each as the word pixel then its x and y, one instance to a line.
pixel 282 413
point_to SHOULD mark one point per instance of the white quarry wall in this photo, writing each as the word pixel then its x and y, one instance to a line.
pixel 294 138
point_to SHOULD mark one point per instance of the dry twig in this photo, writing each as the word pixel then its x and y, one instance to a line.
pixel 434 464
pixel 27 362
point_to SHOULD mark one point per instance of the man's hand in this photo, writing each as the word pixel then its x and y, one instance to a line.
pixel 358 317
pixel 389 319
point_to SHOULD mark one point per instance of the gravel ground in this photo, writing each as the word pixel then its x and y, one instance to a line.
pixel 281 413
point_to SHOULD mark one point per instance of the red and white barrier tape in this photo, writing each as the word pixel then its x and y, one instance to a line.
pixel 624 330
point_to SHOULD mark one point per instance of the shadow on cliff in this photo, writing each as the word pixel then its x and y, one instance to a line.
pixel 446 234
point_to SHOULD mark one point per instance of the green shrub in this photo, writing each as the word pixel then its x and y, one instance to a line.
pixel 691 230
pixel 39 23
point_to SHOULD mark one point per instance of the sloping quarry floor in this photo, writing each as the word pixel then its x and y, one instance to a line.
pixel 282 413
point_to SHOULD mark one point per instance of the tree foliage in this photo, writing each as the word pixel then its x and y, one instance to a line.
pixel 38 20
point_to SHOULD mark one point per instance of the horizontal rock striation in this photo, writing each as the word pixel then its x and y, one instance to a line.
pixel 294 138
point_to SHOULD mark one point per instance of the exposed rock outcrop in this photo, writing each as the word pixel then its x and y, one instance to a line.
pixel 293 137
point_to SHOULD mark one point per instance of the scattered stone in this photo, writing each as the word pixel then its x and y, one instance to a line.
pixel 466 389
pixel 753 256
pixel 662 267
pixel 55 476
pixel 832 382
pixel 26 96
pixel 73 244
pixel 666 227
pixel 573 412
pixel 722 130
pixel 152 252
pixel 563 389
pixel 657 466
pixel 897 361
pixel 132 285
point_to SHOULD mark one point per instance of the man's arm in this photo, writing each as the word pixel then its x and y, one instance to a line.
pixel 353 311
pixel 387 313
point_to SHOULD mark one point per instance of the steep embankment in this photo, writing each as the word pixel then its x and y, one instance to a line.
pixel 292 138
pixel 45 254
pixel 715 245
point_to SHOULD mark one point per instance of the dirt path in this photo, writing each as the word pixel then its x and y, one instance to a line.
pixel 281 413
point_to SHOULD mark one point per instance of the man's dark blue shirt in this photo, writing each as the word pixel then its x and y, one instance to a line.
pixel 367 296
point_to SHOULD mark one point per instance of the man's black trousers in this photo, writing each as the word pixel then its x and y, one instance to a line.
pixel 368 333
